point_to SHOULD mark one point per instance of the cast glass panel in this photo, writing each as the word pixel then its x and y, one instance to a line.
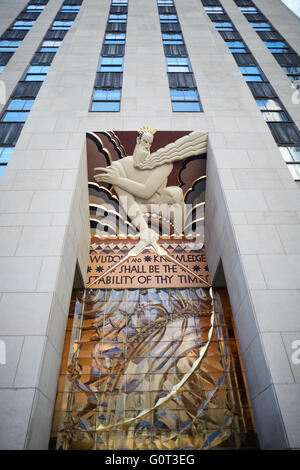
pixel 127 350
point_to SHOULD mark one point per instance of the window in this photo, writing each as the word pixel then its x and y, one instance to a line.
pixel 50 46
pixel 111 64
pixel 20 105
pixel 114 38
pixel 15 116
pixel 2 67
pixel 9 46
pixel 272 110
pixel 261 26
pixel 2 170
pixel 178 64
pixel 292 72
pixel 70 8
pixel 251 74
pixel 17 110
pixel 236 46
pixel 291 156
pixel 108 84
pixel 165 3
pixel 36 73
pixel 23 24
pixel 184 95
pixel 214 10
pixel 248 10
pixel 5 153
pixel 168 18
pixel 117 18
pixel 106 100
pixel 172 38
pixel 185 100
pixel 223 26
pixel 61 25
pixel 38 8
pixel 276 46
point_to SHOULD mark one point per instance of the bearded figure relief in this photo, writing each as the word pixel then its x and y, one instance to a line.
pixel 148 368
pixel 141 180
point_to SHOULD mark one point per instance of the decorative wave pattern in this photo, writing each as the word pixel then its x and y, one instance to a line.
pixel 148 369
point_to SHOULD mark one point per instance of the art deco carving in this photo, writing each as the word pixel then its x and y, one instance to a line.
pixel 140 180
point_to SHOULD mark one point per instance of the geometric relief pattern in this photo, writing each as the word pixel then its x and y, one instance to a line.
pixel 150 369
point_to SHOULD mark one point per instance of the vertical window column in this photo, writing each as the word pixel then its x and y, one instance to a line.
pixel 22 99
pixel 108 83
pixel 281 125
pixel 285 55
pixel 14 35
pixel 183 89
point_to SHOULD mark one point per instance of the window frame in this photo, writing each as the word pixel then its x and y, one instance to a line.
pixel 182 63
pixel 24 24
pixel 35 74
pixel 111 64
pixel 107 100
pixel 184 101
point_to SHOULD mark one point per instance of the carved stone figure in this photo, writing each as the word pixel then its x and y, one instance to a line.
pixel 141 179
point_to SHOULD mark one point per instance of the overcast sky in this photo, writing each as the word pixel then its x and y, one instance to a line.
pixel 294 5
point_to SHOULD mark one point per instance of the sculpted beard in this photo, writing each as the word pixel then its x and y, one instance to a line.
pixel 139 155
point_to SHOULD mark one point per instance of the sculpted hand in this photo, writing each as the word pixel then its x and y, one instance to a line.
pixel 110 175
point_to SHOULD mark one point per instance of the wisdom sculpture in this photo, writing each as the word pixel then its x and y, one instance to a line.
pixel 141 179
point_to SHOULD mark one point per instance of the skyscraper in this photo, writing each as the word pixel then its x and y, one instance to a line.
pixel 74 72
